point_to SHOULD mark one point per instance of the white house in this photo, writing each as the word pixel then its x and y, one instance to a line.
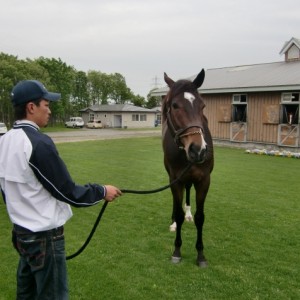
pixel 121 115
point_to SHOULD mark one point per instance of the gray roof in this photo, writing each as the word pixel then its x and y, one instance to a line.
pixel 277 76
pixel 116 108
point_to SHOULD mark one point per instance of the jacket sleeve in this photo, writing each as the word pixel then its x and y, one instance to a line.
pixel 52 172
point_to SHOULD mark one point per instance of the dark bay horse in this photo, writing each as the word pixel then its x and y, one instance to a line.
pixel 187 142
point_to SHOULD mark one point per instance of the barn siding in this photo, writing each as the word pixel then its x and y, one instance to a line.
pixel 263 110
pixel 217 106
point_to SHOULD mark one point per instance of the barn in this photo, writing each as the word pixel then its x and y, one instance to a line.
pixel 254 104
pixel 121 115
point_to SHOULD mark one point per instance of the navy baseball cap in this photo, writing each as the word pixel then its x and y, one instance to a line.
pixel 30 90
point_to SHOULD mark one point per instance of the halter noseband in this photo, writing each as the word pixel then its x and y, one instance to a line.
pixel 180 133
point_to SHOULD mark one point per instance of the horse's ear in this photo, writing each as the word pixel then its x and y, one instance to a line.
pixel 168 80
pixel 199 79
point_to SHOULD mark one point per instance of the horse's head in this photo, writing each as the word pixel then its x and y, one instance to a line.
pixel 182 113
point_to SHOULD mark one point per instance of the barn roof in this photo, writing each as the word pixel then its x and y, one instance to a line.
pixel 277 76
pixel 116 108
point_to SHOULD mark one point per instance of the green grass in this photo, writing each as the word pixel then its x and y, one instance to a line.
pixel 251 231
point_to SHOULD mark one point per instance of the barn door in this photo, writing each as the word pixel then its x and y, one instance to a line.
pixel 238 132
pixel 288 135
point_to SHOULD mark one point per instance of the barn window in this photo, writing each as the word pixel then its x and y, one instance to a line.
pixel 239 108
pixel 289 113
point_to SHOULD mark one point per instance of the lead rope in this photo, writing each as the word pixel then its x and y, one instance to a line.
pixel 128 192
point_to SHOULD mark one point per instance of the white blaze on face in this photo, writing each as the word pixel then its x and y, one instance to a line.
pixel 189 96
pixel 203 143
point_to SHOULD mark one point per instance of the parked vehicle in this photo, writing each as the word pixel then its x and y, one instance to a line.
pixel 3 128
pixel 94 124
pixel 75 122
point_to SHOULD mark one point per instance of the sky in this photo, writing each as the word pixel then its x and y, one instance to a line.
pixel 142 39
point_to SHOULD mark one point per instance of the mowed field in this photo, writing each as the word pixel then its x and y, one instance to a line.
pixel 251 230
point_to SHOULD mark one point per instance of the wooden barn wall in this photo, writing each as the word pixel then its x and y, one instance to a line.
pixel 218 112
pixel 262 116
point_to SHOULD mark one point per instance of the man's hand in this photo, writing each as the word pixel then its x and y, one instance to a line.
pixel 112 193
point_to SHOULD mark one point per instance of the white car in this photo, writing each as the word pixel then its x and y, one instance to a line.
pixel 3 128
pixel 75 122
pixel 94 124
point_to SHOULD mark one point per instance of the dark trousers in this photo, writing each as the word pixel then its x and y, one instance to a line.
pixel 42 272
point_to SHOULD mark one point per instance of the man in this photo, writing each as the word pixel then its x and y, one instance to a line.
pixel 38 191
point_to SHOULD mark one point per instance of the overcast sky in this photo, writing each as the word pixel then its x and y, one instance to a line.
pixel 142 39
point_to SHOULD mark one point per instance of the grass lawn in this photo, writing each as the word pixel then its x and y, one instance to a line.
pixel 251 231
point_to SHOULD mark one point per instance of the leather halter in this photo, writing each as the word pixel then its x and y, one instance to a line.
pixel 180 133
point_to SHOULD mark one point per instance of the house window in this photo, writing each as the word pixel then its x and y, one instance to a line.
pixel 135 117
pixel 92 117
pixel 239 108
pixel 143 118
pixel 289 112
pixel 158 119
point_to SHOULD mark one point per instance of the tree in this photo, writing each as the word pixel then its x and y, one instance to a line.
pixel 120 93
pixel 153 101
pixel 62 78
pixel 80 93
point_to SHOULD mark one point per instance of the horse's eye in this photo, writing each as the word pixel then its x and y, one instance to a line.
pixel 175 105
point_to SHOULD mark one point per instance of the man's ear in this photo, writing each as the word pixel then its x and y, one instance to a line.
pixel 30 107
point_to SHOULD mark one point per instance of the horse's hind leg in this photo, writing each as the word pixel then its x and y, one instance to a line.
pixel 188 212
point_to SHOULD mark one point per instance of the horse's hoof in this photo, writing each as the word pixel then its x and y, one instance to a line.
pixel 176 259
pixel 189 218
pixel 173 227
pixel 202 264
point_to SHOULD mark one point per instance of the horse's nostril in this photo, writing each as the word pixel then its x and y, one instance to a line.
pixel 196 153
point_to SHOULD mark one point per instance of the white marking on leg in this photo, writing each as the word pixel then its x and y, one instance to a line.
pixel 173 227
pixel 188 214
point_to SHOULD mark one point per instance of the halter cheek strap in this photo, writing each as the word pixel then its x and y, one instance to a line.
pixel 180 133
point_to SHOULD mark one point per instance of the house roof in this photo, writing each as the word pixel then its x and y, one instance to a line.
pixel 277 76
pixel 116 108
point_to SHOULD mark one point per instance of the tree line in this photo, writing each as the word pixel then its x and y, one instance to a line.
pixel 78 89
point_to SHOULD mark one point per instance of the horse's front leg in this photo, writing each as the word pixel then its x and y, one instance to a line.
pixel 188 212
pixel 201 192
pixel 178 214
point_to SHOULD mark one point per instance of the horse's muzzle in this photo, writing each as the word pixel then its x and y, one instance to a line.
pixel 196 154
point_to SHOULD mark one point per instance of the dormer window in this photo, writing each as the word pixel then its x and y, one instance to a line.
pixel 291 49
pixel 293 53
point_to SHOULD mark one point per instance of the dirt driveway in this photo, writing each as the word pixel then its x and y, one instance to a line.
pixel 85 134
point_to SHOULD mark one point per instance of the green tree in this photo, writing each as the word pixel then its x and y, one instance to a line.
pixel 153 101
pixel 119 93
pixel 62 78
pixel 138 100
pixel 96 86
pixel 80 94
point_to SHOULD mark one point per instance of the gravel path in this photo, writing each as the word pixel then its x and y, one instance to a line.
pixel 85 134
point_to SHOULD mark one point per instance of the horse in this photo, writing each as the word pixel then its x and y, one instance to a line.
pixel 188 154
pixel 187 208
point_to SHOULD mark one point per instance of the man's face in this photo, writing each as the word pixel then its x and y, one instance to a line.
pixel 39 114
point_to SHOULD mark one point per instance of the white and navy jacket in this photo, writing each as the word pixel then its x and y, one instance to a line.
pixel 35 183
